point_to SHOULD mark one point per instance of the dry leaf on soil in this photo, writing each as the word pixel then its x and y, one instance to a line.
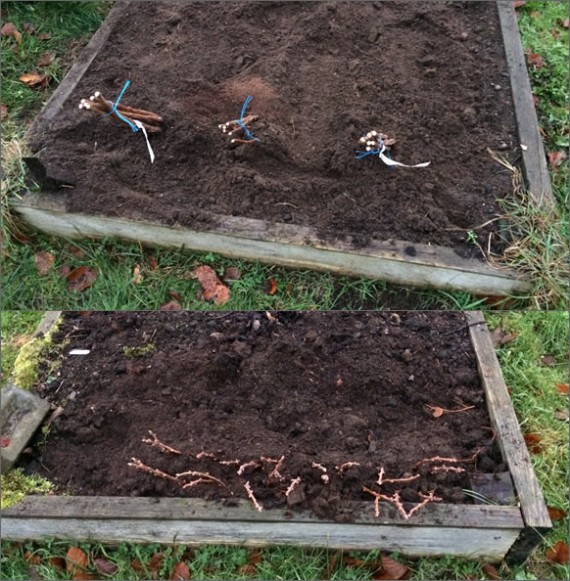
pixel 46 58
pixel 171 306
pixel 548 360
pixel 556 513
pixel 490 571
pixel 137 276
pixel 44 262
pixel 34 80
pixel 270 286
pixel 153 262
pixel 3 111
pixel 76 561
pixel 212 288
pixel 534 59
pixel 231 273
pixel 559 553
pixel 155 564
pixel 181 572
pixel 501 337
pixel 9 29
pixel 104 566
pixel 32 559
pixel 392 570
pixel 555 158
pixel 174 295
pixel 81 278
pixel 57 562
pixel 562 388
pixel 533 443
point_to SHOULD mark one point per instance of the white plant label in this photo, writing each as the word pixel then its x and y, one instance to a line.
pixel 150 151
pixel 389 161
pixel 80 352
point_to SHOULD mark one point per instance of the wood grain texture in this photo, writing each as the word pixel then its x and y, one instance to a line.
pixel 505 423
pixel 48 321
pixel 534 159
pixel 283 245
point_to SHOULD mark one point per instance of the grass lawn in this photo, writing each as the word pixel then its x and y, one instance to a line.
pixel 61 28
pixel 539 405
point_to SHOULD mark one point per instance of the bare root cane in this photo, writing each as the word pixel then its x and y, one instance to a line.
pixel 275 474
pixel 294 483
pixel 397 502
pixel 201 477
pixel 156 443
pixel 381 480
pixel 451 460
pixel 249 491
pixel 232 127
pixel 136 463
pixel 325 477
pixel 99 105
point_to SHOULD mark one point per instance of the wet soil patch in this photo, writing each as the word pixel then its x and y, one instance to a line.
pixel 349 393
pixel 432 75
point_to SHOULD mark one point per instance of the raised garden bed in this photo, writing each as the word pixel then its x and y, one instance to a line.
pixel 251 402
pixel 432 76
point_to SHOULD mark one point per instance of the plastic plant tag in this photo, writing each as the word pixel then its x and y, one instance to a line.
pixel 80 352
pixel 150 151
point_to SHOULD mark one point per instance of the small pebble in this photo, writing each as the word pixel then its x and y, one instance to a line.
pixel 502 146
pixel 464 36
pixel 498 87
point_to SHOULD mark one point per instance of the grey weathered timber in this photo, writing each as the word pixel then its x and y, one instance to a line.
pixel 47 322
pixel 427 266
pixel 532 149
pixel 511 441
pixel 482 532
pixel 297 247
pixel 114 520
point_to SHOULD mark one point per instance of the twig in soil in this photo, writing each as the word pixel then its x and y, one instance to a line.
pixel 246 466
pixel 156 443
pixel 232 127
pixel 439 469
pixel 235 462
pixel 136 463
pixel 294 483
pixel 439 411
pixel 381 480
pixel 346 466
pixel 249 491
pixel 452 460
pixel 104 108
pixel 325 477
pixel 201 475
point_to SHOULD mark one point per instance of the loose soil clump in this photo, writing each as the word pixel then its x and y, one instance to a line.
pixel 431 75
pixel 291 410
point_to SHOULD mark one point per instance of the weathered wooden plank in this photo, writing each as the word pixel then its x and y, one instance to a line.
pixel 55 103
pixel 121 508
pixel 435 267
pixel 48 321
pixel 489 544
pixel 534 159
pixel 505 423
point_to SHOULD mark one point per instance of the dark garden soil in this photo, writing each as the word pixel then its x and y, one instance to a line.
pixel 327 388
pixel 432 75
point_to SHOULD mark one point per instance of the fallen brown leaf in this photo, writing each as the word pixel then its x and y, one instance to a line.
pixel 536 100
pixel 174 295
pixel 518 3
pixel 555 158
pixel 212 288
pixel 64 270
pixel 44 36
pixel 270 286
pixel 45 59
pixel 155 564
pixel 391 570
pixel 231 273
pixel 9 29
pixel 559 553
pixel 104 566
pixel 501 337
pixel 44 262
pixel 3 111
pixel 331 565
pixel 562 388
pixel 76 561
pixel 490 571
pixel 34 80
pixel 32 559
pixel 562 415
pixel 248 569
pixel 548 360
pixel 171 306
pixel 5 442
pixel 533 443
pixel 80 279
pixel 556 513
pixel 181 572
pixel 137 276
pixel 534 59
pixel 57 562
pixel 28 28
pixel 153 262
pixel 83 576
